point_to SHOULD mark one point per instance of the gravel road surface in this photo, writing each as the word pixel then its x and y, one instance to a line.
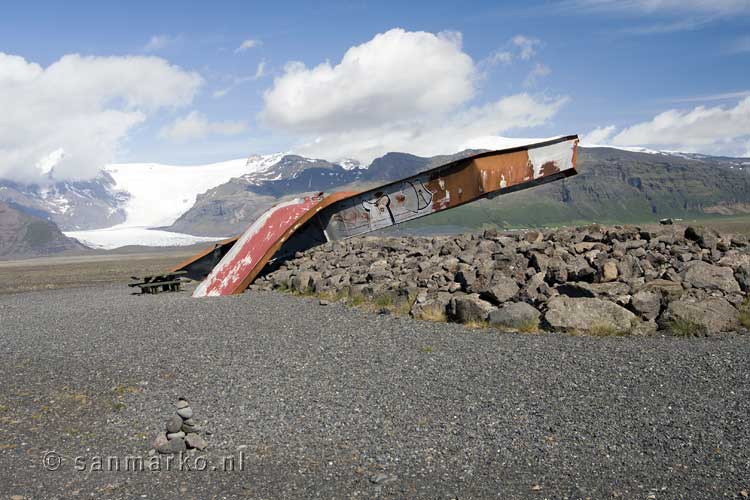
pixel 331 402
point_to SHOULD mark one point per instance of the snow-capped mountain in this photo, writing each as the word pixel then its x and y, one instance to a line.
pixel 70 204
pixel 126 202
pixel 156 204
pixel 158 194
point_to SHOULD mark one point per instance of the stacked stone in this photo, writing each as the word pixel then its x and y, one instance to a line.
pixel 621 279
pixel 181 432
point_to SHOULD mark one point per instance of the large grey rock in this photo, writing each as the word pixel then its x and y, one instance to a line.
pixel 536 289
pixel 469 309
pixel 304 281
pixel 557 271
pixel 743 278
pixel 580 270
pixel 185 412
pixel 502 289
pixel 629 267
pixel 704 275
pixel 615 290
pixel 587 314
pixel 706 238
pixel 735 259
pixel 647 304
pixel 174 423
pixel 430 310
pixel 160 440
pixel 193 440
pixel 700 317
pixel 173 446
pixel 609 270
pixel 668 289
pixel 515 315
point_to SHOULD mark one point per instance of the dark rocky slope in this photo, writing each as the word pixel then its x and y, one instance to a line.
pixel 612 186
pixel 24 235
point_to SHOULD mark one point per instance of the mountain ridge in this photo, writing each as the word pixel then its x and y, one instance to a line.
pixel 221 199
pixel 24 235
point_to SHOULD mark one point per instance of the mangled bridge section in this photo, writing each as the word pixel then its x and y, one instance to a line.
pixel 303 223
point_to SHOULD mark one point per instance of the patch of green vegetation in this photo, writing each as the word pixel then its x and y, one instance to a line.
pixel 530 326
pixel 434 314
pixel 427 349
pixel 477 325
pixel 605 330
pixel 332 296
pixel 356 300
pixel 681 327
pixel 118 406
pixel 384 301
pixel 745 314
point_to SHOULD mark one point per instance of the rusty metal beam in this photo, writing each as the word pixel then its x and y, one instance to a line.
pixel 306 222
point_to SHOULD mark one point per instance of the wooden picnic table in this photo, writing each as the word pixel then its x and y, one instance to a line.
pixel 168 282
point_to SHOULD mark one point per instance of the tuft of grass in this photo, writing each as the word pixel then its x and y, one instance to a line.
pixel 681 327
pixel 403 308
pixel 384 301
pixel 427 349
pixel 434 314
pixel 283 287
pixel 356 300
pixel 605 330
pixel 477 325
pixel 745 314
pixel 333 296
pixel 530 326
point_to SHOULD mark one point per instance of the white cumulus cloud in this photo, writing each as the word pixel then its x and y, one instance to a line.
pixel 397 74
pixel 598 136
pixel 709 130
pixel 426 136
pixel 401 90
pixel 79 109
pixel 195 125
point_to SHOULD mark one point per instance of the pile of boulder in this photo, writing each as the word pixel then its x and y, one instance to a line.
pixel 181 432
pixel 594 279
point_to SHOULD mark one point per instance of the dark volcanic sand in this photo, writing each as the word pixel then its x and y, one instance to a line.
pixel 329 401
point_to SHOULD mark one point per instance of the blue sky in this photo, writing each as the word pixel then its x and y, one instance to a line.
pixel 582 64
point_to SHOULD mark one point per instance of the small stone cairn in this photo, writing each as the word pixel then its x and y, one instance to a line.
pixel 182 432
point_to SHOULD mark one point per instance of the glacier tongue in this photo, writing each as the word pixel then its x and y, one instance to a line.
pixel 159 194
pixel 120 236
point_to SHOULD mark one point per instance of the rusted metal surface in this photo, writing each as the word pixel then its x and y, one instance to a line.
pixel 200 265
pixel 246 258
pixel 306 222
pixel 451 185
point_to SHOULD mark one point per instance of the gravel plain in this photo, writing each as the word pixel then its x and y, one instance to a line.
pixel 316 401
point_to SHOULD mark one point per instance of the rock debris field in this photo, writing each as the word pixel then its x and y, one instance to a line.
pixel 593 280
pixel 333 401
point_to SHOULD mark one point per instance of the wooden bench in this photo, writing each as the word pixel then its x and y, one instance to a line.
pixel 169 282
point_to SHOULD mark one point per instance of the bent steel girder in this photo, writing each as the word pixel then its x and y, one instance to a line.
pixel 303 223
